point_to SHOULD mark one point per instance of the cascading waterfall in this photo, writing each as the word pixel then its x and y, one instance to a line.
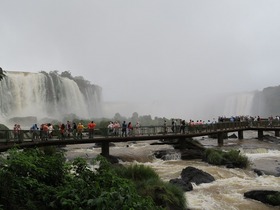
pixel 239 104
pixel 48 95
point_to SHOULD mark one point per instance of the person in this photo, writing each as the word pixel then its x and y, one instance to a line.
pixel 45 132
pixel 124 127
pixel 74 130
pixel 19 133
pixel 137 126
pixel 110 128
pixel 130 128
pixel 164 127
pixel 80 129
pixel 182 126
pixel 173 126
pixel 91 127
pixel 116 127
pixel 15 132
pixel 62 131
pixel 50 130
pixel 34 131
pixel 68 129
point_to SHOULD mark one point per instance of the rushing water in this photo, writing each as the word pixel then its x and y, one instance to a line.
pixel 226 192
pixel 48 95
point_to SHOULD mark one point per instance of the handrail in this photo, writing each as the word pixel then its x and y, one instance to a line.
pixel 10 136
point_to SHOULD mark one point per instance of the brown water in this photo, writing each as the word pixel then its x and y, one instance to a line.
pixel 228 189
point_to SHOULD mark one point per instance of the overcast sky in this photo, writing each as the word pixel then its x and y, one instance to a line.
pixel 155 51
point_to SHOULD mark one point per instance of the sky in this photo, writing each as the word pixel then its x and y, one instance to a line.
pixel 158 57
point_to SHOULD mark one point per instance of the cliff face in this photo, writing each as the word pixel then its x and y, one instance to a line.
pixel 48 95
pixel 267 102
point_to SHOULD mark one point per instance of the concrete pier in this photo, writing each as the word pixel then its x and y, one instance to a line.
pixel 240 134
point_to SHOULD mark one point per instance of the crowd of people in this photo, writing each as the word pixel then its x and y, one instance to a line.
pixel 63 130
pixel 78 131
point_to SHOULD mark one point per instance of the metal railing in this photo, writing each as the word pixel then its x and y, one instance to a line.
pixel 11 136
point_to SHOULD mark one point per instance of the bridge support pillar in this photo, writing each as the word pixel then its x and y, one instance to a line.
pixel 220 139
pixel 240 134
pixel 260 134
pixel 277 134
pixel 105 149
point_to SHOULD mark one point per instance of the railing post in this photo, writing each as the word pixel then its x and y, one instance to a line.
pixel 105 149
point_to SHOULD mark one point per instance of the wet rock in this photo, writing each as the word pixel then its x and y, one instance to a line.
pixel 197 176
pixel 180 183
pixel 167 154
pixel 263 196
pixel 192 175
pixel 232 136
pixel 258 172
pixel 190 154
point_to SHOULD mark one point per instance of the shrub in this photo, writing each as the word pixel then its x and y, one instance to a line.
pixel 232 157
pixel 31 179
pixel 148 184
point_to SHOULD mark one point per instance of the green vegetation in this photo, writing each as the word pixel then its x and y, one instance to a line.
pixel 148 183
pixel 42 179
pixel 231 157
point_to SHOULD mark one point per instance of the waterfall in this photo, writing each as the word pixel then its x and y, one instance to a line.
pixel 239 104
pixel 48 95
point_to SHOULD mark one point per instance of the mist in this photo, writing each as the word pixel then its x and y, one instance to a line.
pixel 167 59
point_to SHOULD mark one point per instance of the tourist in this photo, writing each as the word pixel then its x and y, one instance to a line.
pixel 68 129
pixel 45 132
pixel 74 130
pixel 182 126
pixel 124 128
pixel 62 128
pixel 164 127
pixel 91 126
pixel 15 131
pixel 80 129
pixel 130 128
pixel 50 130
pixel 110 128
pixel 19 133
pixel 137 126
pixel 173 126
pixel 34 131
pixel 116 127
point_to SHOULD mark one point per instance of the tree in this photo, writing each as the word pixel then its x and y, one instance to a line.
pixel 2 74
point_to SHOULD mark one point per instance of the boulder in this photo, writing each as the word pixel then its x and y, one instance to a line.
pixel 190 154
pixel 232 136
pixel 197 176
pixel 263 196
pixel 192 175
pixel 180 183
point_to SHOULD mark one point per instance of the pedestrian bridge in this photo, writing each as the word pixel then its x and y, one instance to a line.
pixel 218 130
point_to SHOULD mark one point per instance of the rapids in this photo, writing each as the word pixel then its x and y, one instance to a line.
pixel 230 185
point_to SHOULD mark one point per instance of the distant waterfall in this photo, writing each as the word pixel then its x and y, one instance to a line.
pixel 48 95
pixel 239 104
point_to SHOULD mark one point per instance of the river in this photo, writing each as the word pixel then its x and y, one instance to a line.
pixel 226 192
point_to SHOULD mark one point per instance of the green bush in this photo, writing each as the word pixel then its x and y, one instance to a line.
pixel 231 157
pixel 148 183
pixel 31 179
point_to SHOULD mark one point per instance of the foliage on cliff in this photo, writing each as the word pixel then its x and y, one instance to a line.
pixel 42 179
